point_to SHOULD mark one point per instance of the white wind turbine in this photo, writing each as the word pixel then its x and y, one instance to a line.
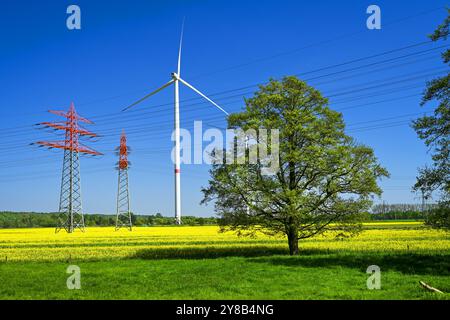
pixel 175 80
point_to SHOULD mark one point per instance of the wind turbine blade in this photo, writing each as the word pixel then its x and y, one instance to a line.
pixel 215 104
pixel 149 95
pixel 179 50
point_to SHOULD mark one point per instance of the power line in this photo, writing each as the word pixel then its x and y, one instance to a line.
pixel 281 54
pixel 194 116
pixel 298 74
pixel 195 105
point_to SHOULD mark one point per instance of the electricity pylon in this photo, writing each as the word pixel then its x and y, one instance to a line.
pixel 123 217
pixel 70 205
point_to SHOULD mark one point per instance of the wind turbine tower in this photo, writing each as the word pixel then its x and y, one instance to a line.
pixel 175 80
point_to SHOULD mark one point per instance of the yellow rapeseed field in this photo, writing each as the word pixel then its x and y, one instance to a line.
pixel 100 243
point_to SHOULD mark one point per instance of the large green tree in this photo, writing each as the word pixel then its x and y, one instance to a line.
pixel 325 179
pixel 435 131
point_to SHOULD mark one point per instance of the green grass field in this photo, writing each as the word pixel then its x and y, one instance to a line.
pixel 200 263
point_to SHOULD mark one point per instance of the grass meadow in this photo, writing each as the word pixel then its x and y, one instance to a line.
pixel 201 263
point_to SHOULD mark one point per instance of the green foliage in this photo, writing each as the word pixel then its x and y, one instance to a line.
pixel 398 215
pixel 435 129
pixel 325 177
pixel 27 219
pixel 439 218
pixel 401 211
pixel 50 220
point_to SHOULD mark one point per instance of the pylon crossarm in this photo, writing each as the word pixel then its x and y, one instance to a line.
pixel 71 113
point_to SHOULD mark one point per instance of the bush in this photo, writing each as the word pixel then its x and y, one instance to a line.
pixel 439 218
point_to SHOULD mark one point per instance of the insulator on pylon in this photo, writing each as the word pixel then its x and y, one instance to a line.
pixel 128 148
pixel 128 163
pixel 117 153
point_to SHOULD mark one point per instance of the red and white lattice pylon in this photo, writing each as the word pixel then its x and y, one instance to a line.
pixel 123 213
pixel 70 205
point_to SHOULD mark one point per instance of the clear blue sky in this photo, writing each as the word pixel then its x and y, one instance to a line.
pixel 127 48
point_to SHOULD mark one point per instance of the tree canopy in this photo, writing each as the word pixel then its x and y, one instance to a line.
pixel 434 130
pixel 325 179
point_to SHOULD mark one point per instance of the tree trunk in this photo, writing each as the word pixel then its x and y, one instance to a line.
pixel 292 231
pixel 293 241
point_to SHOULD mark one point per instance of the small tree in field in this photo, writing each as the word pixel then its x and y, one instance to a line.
pixel 325 179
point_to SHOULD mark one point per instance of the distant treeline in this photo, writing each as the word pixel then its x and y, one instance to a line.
pixel 43 220
pixel 401 211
